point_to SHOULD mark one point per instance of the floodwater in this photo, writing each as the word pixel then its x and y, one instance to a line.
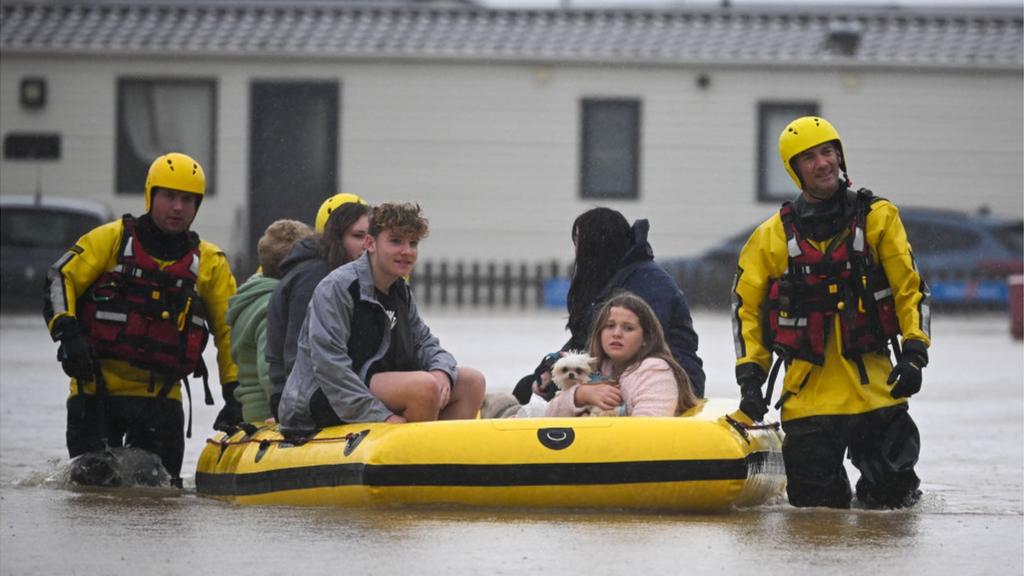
pixel 970 521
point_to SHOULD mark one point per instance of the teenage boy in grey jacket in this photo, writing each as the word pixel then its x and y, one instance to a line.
pixel 364 354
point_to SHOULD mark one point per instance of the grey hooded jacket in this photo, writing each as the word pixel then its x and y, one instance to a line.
pixel 345 316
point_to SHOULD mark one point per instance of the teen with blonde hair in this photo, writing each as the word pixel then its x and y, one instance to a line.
pixel 247 316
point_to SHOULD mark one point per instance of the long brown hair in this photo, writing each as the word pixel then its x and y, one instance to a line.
pixel 653 346
pixel 332 241
pixel 602 237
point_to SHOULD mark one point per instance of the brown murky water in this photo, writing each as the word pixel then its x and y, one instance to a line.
pixel 971 520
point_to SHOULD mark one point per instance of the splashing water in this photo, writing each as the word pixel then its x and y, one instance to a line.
pixel 112 468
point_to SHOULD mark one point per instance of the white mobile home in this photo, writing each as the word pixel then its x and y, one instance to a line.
pixel 506 124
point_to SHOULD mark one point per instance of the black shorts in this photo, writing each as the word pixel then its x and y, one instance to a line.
pixel 321 411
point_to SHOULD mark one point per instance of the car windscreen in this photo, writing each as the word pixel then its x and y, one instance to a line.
pixel 930 236
pixel 1012 236
pixel 43 228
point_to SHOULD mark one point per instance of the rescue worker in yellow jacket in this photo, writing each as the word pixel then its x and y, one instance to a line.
pixel 132 304
pixel 827 284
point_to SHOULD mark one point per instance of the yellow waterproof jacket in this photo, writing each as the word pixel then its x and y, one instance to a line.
pixel 835 387
pixel 95 253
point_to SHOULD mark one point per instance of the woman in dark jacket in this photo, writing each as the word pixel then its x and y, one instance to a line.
pixel 310 261
pixel 612 256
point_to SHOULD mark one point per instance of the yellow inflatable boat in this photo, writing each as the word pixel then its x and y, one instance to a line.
pixel 701 461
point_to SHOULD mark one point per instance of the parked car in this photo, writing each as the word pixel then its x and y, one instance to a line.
pixel 964 258
pixel 35 232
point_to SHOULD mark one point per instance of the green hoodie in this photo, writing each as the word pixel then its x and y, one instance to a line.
pixel 247 316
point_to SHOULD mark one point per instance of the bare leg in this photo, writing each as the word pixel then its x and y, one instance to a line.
pixel 412 395
pixel 467 395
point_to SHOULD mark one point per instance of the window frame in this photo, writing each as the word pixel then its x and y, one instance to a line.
pixel 767 146
pixel 587 190
pixel 209 165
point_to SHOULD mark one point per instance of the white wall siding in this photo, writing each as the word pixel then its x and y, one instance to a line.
pixel 491 152
pixel 81 107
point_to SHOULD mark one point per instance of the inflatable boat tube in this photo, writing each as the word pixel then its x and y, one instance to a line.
pixel 702 461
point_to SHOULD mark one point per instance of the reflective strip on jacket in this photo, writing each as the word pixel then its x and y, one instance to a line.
pixel 95 253
pixel 834 388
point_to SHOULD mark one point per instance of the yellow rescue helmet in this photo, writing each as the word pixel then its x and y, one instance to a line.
pixel 803 134
pixel 176 171
pixel 329 206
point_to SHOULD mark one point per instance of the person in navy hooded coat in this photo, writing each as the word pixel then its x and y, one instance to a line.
pixel 612 256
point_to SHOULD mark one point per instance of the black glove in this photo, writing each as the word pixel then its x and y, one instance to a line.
pixel 752 401
pixel 907 373
pixel 231 414
pixel 75 354
pixel 524 388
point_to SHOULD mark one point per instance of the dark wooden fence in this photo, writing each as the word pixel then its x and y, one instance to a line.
pixel 490 284
pixel 460 284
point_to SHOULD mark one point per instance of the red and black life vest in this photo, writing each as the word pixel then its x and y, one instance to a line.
pixel 842 281
pixel 150 317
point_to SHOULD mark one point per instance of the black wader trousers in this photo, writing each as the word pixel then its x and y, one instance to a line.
pixel 153 424
pixel 883 445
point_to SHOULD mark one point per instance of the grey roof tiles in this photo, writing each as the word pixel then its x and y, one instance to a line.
pixel 851 36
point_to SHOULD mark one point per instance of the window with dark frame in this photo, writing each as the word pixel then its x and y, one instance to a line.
pixel 773 182
pixel 610 149
pixel 160 115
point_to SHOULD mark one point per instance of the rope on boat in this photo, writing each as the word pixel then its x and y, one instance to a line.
pixel 248 440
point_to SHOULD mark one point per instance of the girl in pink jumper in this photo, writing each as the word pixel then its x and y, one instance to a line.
pixel 642 375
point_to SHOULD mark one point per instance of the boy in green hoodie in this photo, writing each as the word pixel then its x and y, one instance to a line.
pixel 247 316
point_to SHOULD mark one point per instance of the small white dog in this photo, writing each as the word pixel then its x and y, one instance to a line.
pixel 572 369
pixel 579 368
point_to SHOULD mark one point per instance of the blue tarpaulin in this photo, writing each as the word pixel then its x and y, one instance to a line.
pixel 969 291
pixel 556 293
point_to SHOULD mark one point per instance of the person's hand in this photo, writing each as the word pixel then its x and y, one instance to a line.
pixel 906 375
pixel 604 396
pixel 77 357
pixel 231 414
pixel 542 384
pixel 395 419
pixel 752 402
pixel 444 387
pixel 750 376
pixel 544 387
pixel 538 382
